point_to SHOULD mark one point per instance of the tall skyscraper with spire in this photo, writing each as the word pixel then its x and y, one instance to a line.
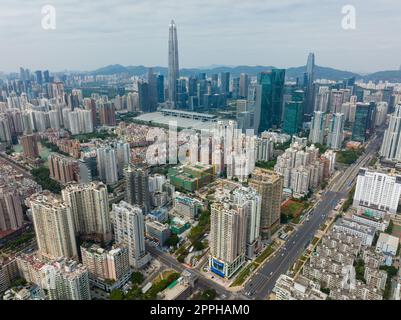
pixel 173 67
pixel 309 78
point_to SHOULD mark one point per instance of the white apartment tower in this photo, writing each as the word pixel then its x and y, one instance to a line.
pixel 391 147
pixel 129 229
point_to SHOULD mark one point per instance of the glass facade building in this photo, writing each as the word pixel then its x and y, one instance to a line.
pixel 271 104
pixel 364 121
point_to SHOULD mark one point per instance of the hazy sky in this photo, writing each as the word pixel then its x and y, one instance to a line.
pixel 93 33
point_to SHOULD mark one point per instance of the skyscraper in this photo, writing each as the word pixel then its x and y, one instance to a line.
pixel 364 121
pixel 269 109
pixel 30 146
pixel 225 82
pixel 129 229
pixel 316 134
pixel 228 238
pixel 336 131
pixel 54 226
pixel 293 115
pixel 391 147
pixel 137 187
pixel 270 186
pixel 107 165
pixel 90 209
pixel 173 66
pixel 310 75
pixel 11 216
pixel 243 85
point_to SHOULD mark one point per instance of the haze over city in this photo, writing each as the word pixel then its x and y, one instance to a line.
pixel 90 35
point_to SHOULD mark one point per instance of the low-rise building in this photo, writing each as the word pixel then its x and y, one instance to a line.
pixel 387 244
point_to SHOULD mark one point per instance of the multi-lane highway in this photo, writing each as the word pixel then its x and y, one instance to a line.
pixel 262 282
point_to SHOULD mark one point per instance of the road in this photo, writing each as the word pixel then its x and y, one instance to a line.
pixel 171 262
pixel 262 282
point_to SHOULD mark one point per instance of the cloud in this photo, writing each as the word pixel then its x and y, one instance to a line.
pixel 92 34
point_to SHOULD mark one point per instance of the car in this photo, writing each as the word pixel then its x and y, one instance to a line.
pixel 271 273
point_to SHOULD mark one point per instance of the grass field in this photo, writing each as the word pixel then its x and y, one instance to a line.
pixel 292 208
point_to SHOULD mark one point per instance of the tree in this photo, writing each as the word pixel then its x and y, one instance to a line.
pixel 116 294
pixel 173 240
pixel 137 278
pixel 198 246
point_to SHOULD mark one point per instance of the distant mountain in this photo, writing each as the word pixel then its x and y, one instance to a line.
pixel 291 73
pixel 391 76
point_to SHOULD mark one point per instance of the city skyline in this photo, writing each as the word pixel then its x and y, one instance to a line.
pixel 259 32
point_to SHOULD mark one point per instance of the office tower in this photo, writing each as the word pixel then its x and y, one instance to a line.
pixel 160 88
pixel 46 76
pixel 243 85
pixel 250 201
pixel 293 117
pixel 123 155
pixel 106 264
pixel 364 124
pixel 182 94
pixel 38 77
pixel 235 88
pixel 269 110
pixel 144 97
pixel 391 147
pixel 322 99
pixel 107 165
pixel 107 114
pixel 228 226
pixel 225 82
pixel 66 280
pixel 137 187
pixel 90 209
pixel 62 168
pixel 11 216
pixel 30 146
pixel 336 131
pixel 54 226
pixel 316 134
pixel 270 186
pixel 376 190
pixel 173 66
pixel 129 230
pixel 310 77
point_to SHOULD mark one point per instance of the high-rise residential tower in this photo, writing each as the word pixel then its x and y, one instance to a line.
pixel 316 134
pixel 173 66
pixel 137 187
pixel 129 229
pixel 90 209
pixel 336 131
pixel 391 147
pixel 270 186
pixel 54 226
